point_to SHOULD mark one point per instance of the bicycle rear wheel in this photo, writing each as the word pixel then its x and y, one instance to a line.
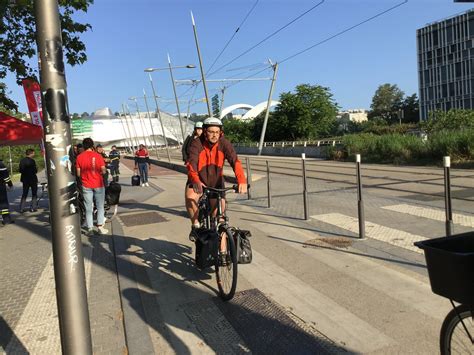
pixel 226 266
pixel 456 338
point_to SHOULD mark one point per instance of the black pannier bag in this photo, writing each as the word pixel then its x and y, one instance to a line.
pixel 206 248
pixel 136 180
pixel 112 193
pixel 244 249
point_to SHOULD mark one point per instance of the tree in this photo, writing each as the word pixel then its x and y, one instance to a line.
pixel 75 116
pixel 215 105
pixel 410 107
pixel 84 115
pixel 307 114
pixel 386 102
pixel 17 40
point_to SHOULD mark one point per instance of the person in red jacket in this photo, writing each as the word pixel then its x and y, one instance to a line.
pixel 206 166
pixel 142 164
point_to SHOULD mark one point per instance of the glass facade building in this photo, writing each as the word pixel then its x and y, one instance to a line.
pixel 446 64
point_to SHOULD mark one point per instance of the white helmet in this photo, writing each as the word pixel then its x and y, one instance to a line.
pixel 212 121
pixel 198 124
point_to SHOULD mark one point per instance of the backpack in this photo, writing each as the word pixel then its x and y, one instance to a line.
pixel 242 242
pixel 207 248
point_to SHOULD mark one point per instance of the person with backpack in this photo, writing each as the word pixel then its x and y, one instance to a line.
pixel 187 142
pixel 114 164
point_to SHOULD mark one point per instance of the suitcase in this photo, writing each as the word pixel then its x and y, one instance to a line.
pixel 136 180
pixel 112 193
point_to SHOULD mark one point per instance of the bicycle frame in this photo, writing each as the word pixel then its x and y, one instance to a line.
pixel 205 206
pixel 471 337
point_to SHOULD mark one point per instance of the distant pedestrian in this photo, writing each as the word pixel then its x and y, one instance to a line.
pixel 114 157
pixel 29 179
pixel 189 139
pixel 4 205
pixel 142 163
pixel 90 168
pixel 101 151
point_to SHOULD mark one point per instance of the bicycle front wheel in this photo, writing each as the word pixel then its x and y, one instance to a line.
pixel 457 332
pixel 226 265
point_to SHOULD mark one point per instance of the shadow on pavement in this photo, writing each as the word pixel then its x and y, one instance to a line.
pixel 7 335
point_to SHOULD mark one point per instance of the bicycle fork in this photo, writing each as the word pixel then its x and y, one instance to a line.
pixel 462 321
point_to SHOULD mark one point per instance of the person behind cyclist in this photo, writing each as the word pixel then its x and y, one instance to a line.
pixel 206 167
pixel 187 142
pixel 114 157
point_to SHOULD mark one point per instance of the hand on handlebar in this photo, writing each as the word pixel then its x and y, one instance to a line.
pixel 242 189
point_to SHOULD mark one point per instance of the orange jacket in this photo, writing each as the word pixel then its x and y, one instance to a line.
pixel 206 162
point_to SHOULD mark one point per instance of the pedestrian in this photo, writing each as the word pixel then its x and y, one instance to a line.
pixel 142 163
pixel 114 157
pixel 29 180
pixel 90 168
pixel 189 139
pixel 4 205
pixel 101 151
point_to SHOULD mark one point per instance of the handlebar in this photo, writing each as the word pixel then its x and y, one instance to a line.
pixel 235 188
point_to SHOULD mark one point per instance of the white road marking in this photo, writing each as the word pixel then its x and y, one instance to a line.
pixel 432 213
pixel 372 230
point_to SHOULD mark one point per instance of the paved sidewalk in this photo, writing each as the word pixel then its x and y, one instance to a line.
pixel 311 288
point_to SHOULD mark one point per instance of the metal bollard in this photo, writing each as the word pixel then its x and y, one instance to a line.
pixel 305 190
pixel 447 196
pixel 269 186
pixel 360 201
pixel 249 177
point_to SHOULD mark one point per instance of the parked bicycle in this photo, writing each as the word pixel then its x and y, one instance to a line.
pixel 450 263
pixel 215 245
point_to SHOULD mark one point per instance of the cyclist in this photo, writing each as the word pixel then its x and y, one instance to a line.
pixel 206 167
pixel 187 142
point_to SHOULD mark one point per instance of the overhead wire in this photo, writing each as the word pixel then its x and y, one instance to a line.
pixel 269 36
pixel 232 37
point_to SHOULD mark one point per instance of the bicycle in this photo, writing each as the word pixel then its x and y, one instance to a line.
pixel 450 264
pixel 225 262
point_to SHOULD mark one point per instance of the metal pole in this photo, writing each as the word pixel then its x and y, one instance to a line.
pixel 265 121
pixel 305 190
pixel 140 120
pixel 159 118
pixel 447 196
pixel 132 124
pixel 151 125
pixel 11 162
pixel 360 201
pixel 222 99
pixel 128 127
pixel 127 142
pixel 249 176
pixel 200 65
pixel 176 98
pixel 269 186
pixel 128 136
pixel 69 273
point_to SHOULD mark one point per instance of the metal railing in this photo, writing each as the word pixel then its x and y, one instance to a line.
pixel 291 144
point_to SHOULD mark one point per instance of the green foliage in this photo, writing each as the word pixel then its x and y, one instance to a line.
pixel 238 131
pixel 215 106
pixel 409 149
pixel 451 120
pixel 386 102
pixel 307 114
pixel 18 44
pixel 380 127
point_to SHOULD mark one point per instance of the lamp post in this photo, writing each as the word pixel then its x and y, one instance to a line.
pixel 176 97
pixel 144 130
pixel 151 124
pixel 149 71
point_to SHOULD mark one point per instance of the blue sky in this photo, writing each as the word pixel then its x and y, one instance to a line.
pixel 128 36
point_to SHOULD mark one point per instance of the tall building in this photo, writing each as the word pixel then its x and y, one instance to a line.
pixel 446 64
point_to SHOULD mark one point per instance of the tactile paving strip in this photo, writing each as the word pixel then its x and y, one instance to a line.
pixel 266 327
pixel 138 219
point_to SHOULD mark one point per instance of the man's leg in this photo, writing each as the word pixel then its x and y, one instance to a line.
pixel 191 199
pixel 34 196
pixel 24 195
pixel 141 169
pixel 99 196
pixel 4 206
pixel 88 195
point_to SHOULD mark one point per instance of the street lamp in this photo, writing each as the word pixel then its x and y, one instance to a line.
pixel 170 68
pixel 142 125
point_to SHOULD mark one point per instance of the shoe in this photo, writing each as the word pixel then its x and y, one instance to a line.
pixel 147 184
pixel 102 230
pixel 143 185
pixel 89 232
pixel 223 259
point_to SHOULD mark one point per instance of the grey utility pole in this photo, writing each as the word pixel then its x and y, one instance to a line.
pixel 128 127
pixel 159 117
pixel 200 65
pixel 151 125
pixel 141 121
pixel 176 98
pixel 133 125
pixel 74 324
pixel 265 121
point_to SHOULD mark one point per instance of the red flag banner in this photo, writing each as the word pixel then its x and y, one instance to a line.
pixel 33 99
